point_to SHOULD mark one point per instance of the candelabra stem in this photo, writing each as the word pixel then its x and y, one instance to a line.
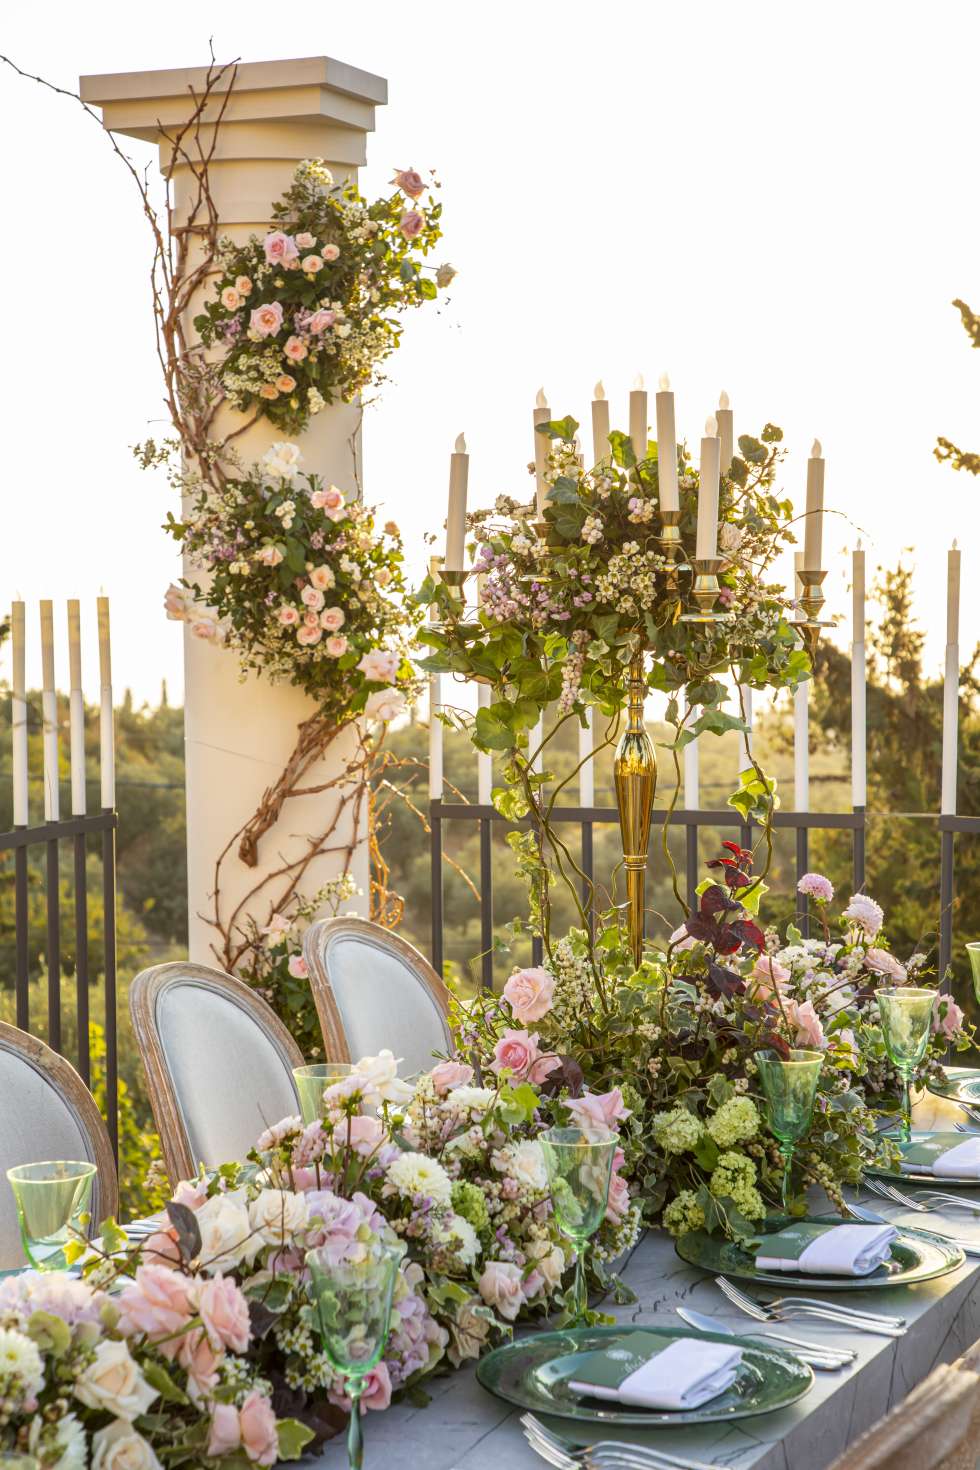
pixel 635 771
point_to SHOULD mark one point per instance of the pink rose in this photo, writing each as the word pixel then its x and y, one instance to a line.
pixel 336 646
pixel 530 994
pixel 200 1362
pixel 618 1204
pixel 410 182
pixel 298 967
pixel 380 666
pixel 269 556
pixel 330 252
pixel 191 1192
pixel 295 349
pixel 223 1311
pixel 313 597
pixel 411 224
pixel 161 1249
pixel 243 285
pixel 288 616
pixel 257 1422
pixel 321 320
pixel 541 1068
pixel 305 241
pixel 285 383
pixel 311 264
pixel 322 577
pixel 266 320
pixel 363 1133
pixel 501 1288
pixel 332 619
pixel 809 1030
pixel 517 1050
pixel 225 1434
pixel 680 938
pixel 155 1304
pixel 329 499
pixel 947 1016
pixel 769 976
pixel 883 962
pixel 308 636
pixel 447 1075
pixel 280 248
pixel 597 1113
pixel 311 618
pixel 377 1388
pixel 231 299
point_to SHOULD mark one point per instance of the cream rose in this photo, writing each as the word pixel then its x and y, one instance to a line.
pixel 243 285
pixel 336 645
pixel 501 1288
pixel 330 252
pixel 231 299
pixel 276 1216
pixel 311 264
pixel 120 1447
pixel 323 578
pixel 114 1383
pixel 332 619
pixel 224 1228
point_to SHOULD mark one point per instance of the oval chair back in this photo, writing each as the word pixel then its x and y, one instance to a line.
pixel 373 990
pixel 218 1063
pixel 49 1114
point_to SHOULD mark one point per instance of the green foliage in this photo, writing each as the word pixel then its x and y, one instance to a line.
pixel 946 451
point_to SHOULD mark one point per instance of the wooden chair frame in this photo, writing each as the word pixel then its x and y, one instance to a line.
pixel 67 1083
pixel 314 952
pixel 144 995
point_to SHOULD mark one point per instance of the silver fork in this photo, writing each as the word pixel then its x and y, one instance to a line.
pixel 949 1200
pixel 539 1436
pixel 783 1309
pixel 885 1190
pixel 809 1301
pixel 922 1201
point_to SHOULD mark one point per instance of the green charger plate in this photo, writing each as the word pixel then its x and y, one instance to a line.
pixel 526 1373
pixel 917 1255
pixel 962 1085
pixel 908 1176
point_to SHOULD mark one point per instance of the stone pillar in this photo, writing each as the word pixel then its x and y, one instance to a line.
pixel 239 734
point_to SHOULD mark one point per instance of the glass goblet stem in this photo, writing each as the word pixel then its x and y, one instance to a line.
pixel 906 1105
pixel 580 1292
pixel 355 1440
pixel 787 1150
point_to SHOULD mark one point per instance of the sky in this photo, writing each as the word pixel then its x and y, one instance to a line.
pixel 779 201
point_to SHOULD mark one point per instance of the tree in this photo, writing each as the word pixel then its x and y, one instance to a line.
pixel 945 450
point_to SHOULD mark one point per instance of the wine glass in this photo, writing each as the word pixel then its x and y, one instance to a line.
pixel 352 1310
pixel 973 950
pixel 906 1024
pixel 50 1198
pixel 311 1082
pixel 579 1172
pixel 790 1088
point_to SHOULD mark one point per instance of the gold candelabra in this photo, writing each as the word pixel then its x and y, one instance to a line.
pixel 635 772
pixel 811 600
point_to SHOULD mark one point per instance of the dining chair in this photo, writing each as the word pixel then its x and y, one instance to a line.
pixel 931 1429
pixel 49 1114
pixel 218 1062
pixel 373 990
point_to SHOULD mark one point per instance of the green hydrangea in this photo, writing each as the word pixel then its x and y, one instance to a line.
pixel 734 1178
pixel 683 1213
pixel 678 1131
pixel 470 1202
pixel 734 1122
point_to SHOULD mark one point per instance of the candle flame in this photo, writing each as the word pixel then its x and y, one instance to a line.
pixel 711 426
pixel 723 400
pixel 860 545
pixel 956 544
pixel 665 382
pixel 460 443
pixel 540 401
pixel 638 382
pixel 599 392
pixel 816 451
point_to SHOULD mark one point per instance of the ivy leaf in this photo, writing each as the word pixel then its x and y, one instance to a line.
pixel 622 449
pixel 157 1377
pixel 491 732
pixel 293 1438
pixel 564 491
pixel 564 429
pixel 752 451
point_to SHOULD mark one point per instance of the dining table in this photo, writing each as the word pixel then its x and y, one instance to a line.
pixel 464 1427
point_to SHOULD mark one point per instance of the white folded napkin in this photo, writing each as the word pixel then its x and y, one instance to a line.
pixel 961 1160
pixel 841 1250
pixel 685 1375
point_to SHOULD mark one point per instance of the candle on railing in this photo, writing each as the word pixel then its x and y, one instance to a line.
pixel 692 772
pixel 638 418
pixel 435 699
pixel 586 772
pixel 707 539
pixel 666 447
pixel 801 725
pixel 107 761
pixel 18 713
pixel 49 715
pixel 542 415
pixel 726 431
pixel 537 740
pixel 600 423
pixel 859 716
pixel 951 683
pixel 459 470
pixel 484 760
pixel 813 536
pixel 76 709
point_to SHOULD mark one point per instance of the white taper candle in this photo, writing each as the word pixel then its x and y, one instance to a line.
pixel 76 709
pixel 107 743
pixel 666 447
pixel 435 700
pixel 692 769
pixel 600 423
pixel 801 728
pixel 18 713
pixel 707 538
pixel 953 558
pixel 638 418
pixel 459 471
pixel 951 684
pixel 49 714
pixel 586 774
pixel 813 535
pixel 859 684
pixel 726 431
pixel 542 444
pixel 484 761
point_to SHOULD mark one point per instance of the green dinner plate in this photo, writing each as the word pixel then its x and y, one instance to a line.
pixel 962 1085
pixel 527 1373
pixel 906 1176
pixel 917 1255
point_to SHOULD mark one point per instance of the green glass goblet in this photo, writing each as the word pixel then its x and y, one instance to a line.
pixel 50 1198
pixel 906 1025
pixel 790 1088
pixel 973 950
pixel 352 1312
pixel 311 1082
pixel 579 1172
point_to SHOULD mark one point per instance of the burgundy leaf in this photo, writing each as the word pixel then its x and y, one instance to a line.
pixel 726 940
pixel 776 1043
pixel 749 933
pixel 715 900
pixel 722 981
